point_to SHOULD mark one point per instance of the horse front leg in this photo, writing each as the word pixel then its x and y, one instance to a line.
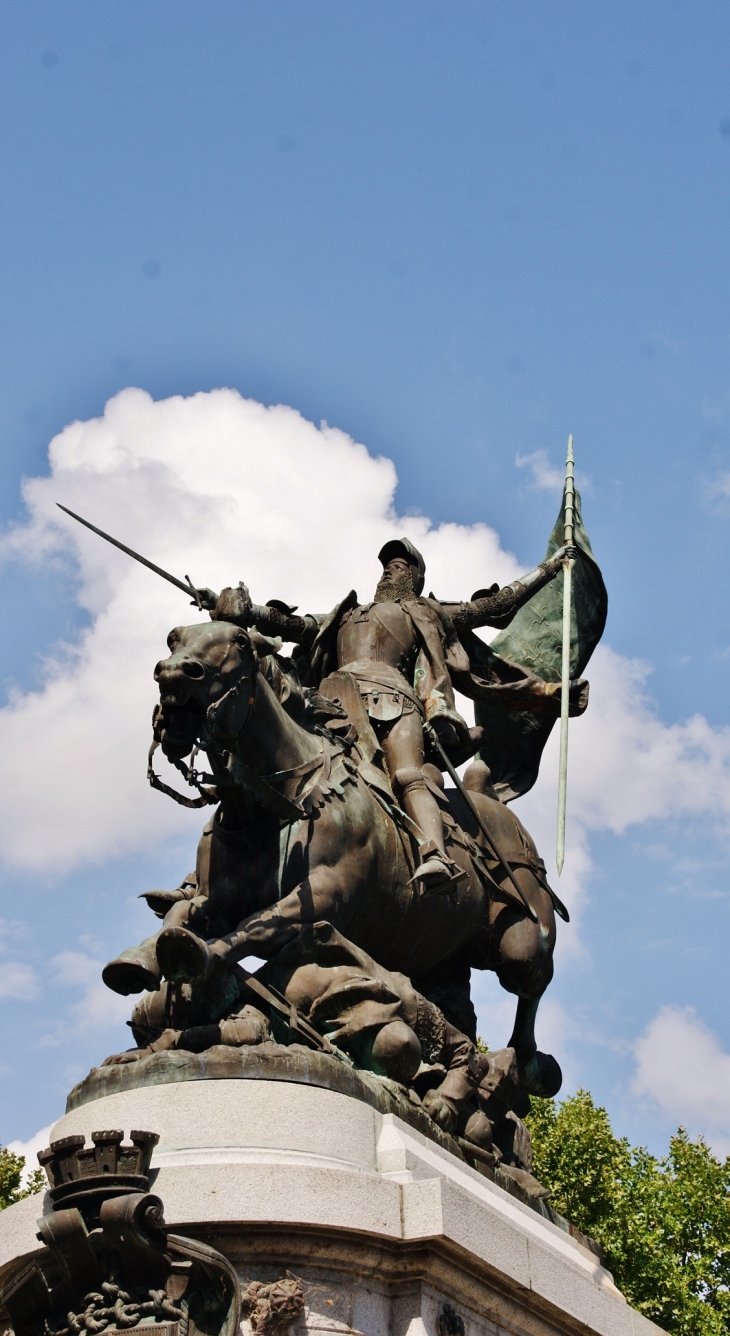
pixel 184 957
pixel 137 969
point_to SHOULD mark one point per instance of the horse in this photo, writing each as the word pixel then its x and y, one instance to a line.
pixel 308 830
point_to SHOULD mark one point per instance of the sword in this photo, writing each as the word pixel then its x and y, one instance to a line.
pixel 188 588
pixel 565 673
pixel 430 731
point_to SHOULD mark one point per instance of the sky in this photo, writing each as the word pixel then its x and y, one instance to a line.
pixel 281 280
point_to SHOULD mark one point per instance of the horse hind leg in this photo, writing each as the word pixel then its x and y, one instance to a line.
pixel 525 967
pixel 540 1073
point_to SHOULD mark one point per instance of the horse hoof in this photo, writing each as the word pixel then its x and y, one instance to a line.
pixel 183 957
pixel 541 1076
pixel 126 975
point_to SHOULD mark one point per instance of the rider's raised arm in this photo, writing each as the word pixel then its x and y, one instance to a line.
pixel 276 620
pixel 273 619
pixel 497 607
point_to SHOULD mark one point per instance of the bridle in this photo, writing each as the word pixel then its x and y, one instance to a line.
pixel 233 700
pixel 236 703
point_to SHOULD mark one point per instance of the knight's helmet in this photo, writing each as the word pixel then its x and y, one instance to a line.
pixel 403 547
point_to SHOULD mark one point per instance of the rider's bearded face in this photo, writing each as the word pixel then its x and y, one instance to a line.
pixel 395 583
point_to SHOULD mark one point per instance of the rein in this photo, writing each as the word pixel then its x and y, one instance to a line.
pixel 208 796
pixel 260 787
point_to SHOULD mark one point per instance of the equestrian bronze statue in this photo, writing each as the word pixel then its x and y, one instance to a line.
pixel 337 855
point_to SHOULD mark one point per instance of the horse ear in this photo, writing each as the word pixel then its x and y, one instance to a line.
pixel 265 645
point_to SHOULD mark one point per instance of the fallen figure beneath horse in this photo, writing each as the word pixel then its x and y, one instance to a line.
pixel 325 993
pixel 308 830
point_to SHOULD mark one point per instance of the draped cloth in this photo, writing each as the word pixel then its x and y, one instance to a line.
pixel 514 741
pixel 512 681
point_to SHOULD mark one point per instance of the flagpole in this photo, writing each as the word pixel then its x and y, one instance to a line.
pixel 565 673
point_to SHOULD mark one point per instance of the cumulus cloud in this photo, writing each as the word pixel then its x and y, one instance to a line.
pixel 29 1150
pixel 223 488
pixel 17 979
pixel 217 487
pixel 95 1006
pixel 626 767
pixel 717 492
pixel 544 476
pixel 683 1071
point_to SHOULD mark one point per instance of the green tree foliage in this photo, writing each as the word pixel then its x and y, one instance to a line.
pixel 11 1173
pixel 664 1224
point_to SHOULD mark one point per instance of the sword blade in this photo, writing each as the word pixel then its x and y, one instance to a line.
pixel 433 735
pixel 186 588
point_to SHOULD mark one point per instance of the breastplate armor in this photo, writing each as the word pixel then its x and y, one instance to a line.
pixel 380 633
pixel 377 644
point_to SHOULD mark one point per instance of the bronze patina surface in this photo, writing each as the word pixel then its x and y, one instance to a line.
pixel 336 854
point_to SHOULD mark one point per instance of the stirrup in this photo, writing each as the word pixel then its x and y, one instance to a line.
pixel 437 874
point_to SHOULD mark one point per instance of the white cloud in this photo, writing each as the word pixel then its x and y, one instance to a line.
pixel 220 488
pixel 18 980
pixel 96 1007
pixel 683 1071
pixel 223 488
pixel 626 766
pixel 29 1150
pixel 545 477
pixel 717 492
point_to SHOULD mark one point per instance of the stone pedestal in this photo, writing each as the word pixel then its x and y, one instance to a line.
pixel 383 1226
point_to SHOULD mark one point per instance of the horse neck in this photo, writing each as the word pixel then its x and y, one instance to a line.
pixel 270 740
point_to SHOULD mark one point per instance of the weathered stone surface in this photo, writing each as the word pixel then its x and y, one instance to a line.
pixel 272 1062
pixel 380 1224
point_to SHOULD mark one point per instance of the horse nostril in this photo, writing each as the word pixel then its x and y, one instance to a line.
pixel 194 670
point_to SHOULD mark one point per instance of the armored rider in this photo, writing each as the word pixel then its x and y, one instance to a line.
pixel 405 654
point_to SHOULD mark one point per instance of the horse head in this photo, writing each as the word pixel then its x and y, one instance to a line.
pixel 206 685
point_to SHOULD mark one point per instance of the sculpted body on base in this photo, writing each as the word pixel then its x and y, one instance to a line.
pixel 404 653
pixel 333 818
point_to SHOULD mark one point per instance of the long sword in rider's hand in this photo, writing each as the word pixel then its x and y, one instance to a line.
pixel 187 586
pixel 565 674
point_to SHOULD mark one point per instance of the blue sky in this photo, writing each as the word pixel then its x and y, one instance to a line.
pixel 455 232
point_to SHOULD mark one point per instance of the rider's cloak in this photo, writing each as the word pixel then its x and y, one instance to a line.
pixel 443 665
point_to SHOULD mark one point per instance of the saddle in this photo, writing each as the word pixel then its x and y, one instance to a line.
pixel 353 724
